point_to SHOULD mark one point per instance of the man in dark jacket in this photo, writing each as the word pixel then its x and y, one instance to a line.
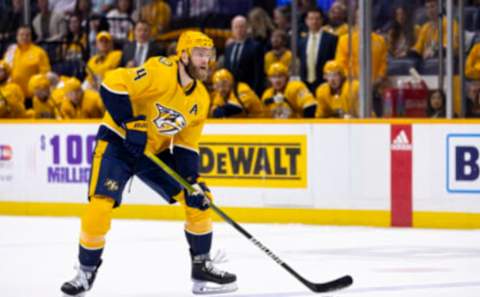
pixel 135 53
pixel 244 57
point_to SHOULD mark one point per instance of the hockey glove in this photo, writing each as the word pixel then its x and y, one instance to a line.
pixel 200 198
pixel 136 135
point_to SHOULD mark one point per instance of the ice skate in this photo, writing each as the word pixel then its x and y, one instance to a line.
pixel 207 279
pixel 81 283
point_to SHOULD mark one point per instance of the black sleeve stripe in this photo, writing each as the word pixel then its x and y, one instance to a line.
pixel 118 105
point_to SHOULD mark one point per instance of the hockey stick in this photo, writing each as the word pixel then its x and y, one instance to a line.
pixel 333 285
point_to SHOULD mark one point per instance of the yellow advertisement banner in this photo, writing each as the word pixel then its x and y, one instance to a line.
pixel 273 161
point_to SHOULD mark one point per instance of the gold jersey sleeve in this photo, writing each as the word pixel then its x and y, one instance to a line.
pixel 299 96
pixel 249 100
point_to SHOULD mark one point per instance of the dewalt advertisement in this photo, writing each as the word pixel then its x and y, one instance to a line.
pixel 272 161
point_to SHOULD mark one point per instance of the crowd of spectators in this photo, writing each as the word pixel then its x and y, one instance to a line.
pixel 53 67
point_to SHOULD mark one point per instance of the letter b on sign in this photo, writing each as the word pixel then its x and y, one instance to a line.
pixel 463 163
pixel 467 163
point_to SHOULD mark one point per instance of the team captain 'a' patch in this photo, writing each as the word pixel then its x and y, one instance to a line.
pixel 169 121
pixel 194 109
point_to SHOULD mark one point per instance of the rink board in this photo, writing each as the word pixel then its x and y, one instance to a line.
pixel 358 172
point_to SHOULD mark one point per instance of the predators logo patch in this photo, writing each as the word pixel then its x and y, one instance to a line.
pixel 111 185
pixel 169 121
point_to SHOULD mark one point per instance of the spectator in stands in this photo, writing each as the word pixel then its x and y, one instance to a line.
pixel 287 99
pixel 427 43
pixel 315 50
pixel 281 18
pixel 338 97
pixel 81 104
pixel 280 52
pixel 97 24
pixel 472 65
pixel 136 52
pixel 260 26
pixel 75 40
pixel 120 21
pixel 304 6
pixel 401 35
pixel 83 9
pixel 44 105
pixel 232 99
pixel 379 55
pixel 106 59
pixel 473 100
pixel 351 62
pixel 11 96
pixel 436 104
pixel 48 25
pixel 26 59
pixel 102 7
pixel 10 20
pixel 244 56
pixel 337 20
pixel 157 13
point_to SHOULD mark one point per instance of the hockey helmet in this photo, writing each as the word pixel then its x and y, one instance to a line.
pixel 191 39
pixel 222 75
pixel 333 66
pixel 38 81
pixel 72 84
pixel 277 69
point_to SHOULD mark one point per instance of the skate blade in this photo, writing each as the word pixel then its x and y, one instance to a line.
pixel 204 288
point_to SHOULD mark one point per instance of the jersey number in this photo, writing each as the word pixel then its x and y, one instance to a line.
pixel 140 73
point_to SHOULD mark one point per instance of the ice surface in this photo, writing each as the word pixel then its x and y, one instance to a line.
pixel 150 259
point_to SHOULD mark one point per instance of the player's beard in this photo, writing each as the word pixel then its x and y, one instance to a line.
pixel 196 73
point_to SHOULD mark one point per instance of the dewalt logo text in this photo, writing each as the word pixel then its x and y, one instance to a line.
pixel 254 160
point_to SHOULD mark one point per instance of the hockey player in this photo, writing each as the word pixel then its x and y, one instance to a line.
pixel 11 96
pixel 159 107
pixel 287 99
pixel 337 97
pixel 232 99
pixel 44 106
pixel 80 104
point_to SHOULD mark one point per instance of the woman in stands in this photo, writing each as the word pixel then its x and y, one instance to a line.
pixel 401 35
pixel 436 104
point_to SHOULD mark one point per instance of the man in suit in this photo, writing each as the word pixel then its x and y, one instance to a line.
pixel 244 56
pixel 315 49
pixel 135 53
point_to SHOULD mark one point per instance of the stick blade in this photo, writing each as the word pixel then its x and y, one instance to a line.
pixel 337 284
